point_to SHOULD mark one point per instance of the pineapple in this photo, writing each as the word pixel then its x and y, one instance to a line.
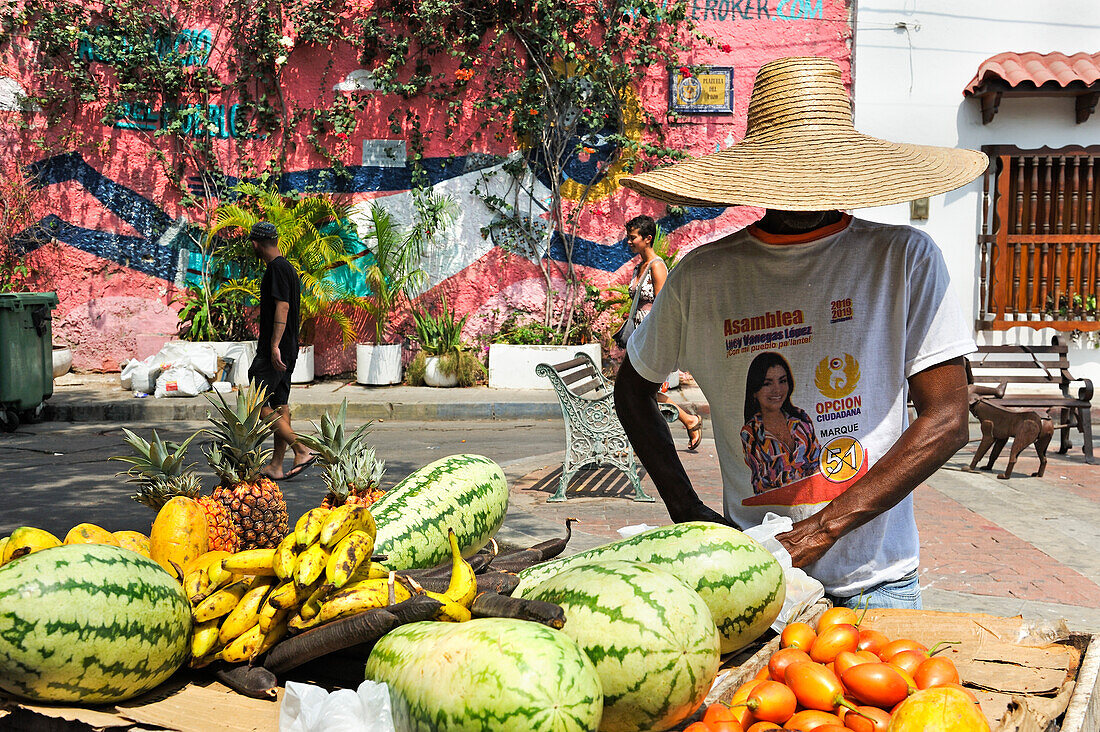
pixel 352 473
pixel 157 469
pixel 254 502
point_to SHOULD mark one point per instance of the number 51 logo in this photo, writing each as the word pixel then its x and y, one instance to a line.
pixel 842 458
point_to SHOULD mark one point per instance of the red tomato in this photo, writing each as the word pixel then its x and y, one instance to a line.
pixel 725 726
pixel 835 615
pixel 873 720
pixel 797 635
pixel 935 672
pixel 846 659
pixel 772 701
pixel 762 674
pixel 908 660
pixel 897 646
pixel 781 659
pixel 810 719
pixel 877 684
pixel 905 675
pixel 871 640
pixel 834 639
pixel 832 728
pixel 719 712
pixel 697 727
pixel 815 686
pixel 764 727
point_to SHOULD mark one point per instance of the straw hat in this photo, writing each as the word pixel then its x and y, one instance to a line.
pixel 801 153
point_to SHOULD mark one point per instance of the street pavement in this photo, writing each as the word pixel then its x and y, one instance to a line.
pixel 1027 546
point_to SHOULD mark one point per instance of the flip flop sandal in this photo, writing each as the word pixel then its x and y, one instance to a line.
pixel 695 435
pixel 299 469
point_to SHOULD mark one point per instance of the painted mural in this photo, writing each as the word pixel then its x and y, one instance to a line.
pixel 117 240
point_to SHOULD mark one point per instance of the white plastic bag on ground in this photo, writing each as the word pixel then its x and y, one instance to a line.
pixel 309 708
pixel 140 376
pixel 802 589
pixel 181 381
pixel 200 356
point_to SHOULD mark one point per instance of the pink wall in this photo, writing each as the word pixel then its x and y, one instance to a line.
pixel 118 224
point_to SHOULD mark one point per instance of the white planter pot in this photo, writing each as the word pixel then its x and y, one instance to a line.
pixel 303 367
pixel 378 365
pixel 513 367
pixel 433 376
pixel 62 360
pixel 242 353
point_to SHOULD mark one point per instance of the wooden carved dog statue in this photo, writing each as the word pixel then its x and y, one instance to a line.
pixel 1024 426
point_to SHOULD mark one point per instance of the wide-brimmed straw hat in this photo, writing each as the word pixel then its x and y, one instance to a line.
pixel 801 152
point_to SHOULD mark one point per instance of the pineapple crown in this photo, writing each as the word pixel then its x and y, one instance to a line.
pixel 238 434
pixel 348 462
pixel 158 469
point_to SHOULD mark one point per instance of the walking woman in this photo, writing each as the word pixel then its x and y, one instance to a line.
pixel 648 279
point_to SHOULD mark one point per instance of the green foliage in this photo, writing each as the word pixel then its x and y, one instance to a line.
pixel 463 364
pixel 438 334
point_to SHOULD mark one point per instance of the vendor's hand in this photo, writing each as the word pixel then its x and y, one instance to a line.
pixel 806 542
pixel 277 359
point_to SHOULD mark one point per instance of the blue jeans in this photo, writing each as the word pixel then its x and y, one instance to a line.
pixel 901 594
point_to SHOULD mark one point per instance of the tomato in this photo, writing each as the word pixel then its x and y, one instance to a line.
pixel 764 727
pixel 772 701
pixel 831 728
pixel 762 674
pixel 810 719
pixel 726 725
pixel 834 639
pixel 697 727
pixel 905 675
pixel 719 712
pixel 815 686
pixel 835 615
pixel 846 659
pixel 908 660
pixel 897 646
pixel 797 635
pixel 743 713
pixel 871 640
pixel 781 659
pixel 873 719
pixel 877 684
pixel 935 672
pixel 872 657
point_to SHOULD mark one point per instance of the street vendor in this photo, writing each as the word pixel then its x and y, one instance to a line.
pixel 859 315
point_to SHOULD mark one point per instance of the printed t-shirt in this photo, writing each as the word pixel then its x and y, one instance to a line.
pixel 280 283
pixel 852 314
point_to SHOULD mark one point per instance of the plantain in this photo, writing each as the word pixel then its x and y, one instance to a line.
pixel 251 561
pixel 272 634
pixel 308 527
pixel 311 564
pixel 221 602
pixel 270 620
pixel 247 611
pixel 463 585
pixel 204 638
pixel 371 570
pixel 243 646
pixel 349 554
pixel 343 520
pixel 312 605
pixel 196 578
pixel 362 596
pixel 451 611
pixel 286 557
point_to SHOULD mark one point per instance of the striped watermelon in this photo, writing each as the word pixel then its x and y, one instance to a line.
pixel 486 675
pixel 89 623
pixel 741 582
pixel 467 493
pixel 650 636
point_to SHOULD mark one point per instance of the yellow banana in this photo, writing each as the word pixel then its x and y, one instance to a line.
pixel 196 580
pixel 352 551
pixel 243 646
pixel 269 621
pixel 203 561
pixel 343 520
pixel 286 557
pixel 204 638
pixel 311 564
pixel 273 634
pixel 362 596
pixel 371 570
pixel 451 611
pixel 312 605
pixel 297 623
pixel 308 527
pixel 220 603
pixel 251 561
pixel 26 540
pixel 463 585
pixel 247 611
pixel 290 595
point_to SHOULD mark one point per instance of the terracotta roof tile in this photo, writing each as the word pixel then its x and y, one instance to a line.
pixel 1037 68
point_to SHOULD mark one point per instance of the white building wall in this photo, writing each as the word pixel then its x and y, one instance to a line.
pixel 912 60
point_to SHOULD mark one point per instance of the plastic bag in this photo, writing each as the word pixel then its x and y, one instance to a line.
pixel 200 356
pixel 802 589
pixel 309 708
pixel 181 381
pixel 141 376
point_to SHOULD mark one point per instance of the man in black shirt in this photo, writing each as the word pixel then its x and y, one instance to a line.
pixel 280 293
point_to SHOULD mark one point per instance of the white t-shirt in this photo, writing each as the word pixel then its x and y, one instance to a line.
pixel 852 314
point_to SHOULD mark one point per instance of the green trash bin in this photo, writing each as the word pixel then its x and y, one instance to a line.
pixel 26 354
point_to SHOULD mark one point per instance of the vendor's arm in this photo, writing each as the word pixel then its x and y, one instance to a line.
pixel 938 432
pixel 636 405
pixel 282 310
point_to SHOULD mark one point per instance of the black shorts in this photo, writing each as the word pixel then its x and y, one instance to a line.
pixel 277 382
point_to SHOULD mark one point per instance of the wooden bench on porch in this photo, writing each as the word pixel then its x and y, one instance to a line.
pixel 1019 373
pixel 594 437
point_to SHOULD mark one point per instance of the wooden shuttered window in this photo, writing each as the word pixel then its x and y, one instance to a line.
pixel 1040 242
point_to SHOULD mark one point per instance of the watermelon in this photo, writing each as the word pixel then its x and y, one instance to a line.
pixel 738 579
pixel 650 636
pixel 467 493
pixel 486 675
pixel 89 623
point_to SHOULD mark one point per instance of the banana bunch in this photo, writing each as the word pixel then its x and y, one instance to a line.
pixel 461 589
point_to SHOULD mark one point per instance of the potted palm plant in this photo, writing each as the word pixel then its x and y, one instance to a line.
pixel 443 360
pixel 318 238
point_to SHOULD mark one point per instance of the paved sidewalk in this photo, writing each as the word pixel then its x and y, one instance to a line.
pixel 1027 546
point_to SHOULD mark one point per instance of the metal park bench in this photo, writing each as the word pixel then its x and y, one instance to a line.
pixel 1003 367
pixel 594 436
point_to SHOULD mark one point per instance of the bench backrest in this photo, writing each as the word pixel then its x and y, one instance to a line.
pixel 582 378
pixel 1035 368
